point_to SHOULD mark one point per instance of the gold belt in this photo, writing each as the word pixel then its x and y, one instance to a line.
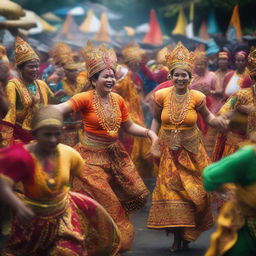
pixel 48 208
pixel 175 139
pixel 97 144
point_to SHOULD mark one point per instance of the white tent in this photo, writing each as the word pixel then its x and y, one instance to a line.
pixel 42 25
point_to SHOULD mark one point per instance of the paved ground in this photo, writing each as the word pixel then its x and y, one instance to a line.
pixel 149 242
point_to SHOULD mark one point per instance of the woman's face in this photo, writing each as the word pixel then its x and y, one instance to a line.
pixel 223 63
pixel 240 62
pixel 180 78
pixel 71 74
pixel 48 137
pixel 30 70
pixel 105 82
pixel 200 67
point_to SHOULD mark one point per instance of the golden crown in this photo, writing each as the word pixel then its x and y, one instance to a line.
pixel 160 56
pixel 24 52
pixel 133 52
pixel 200 54
pixel 180 57
pixel 252 62
pixel 61 53
pixel 98 58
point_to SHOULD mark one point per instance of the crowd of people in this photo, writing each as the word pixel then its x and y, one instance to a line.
pixel 82 131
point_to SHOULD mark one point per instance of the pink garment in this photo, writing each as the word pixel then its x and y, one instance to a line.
pixel 206 84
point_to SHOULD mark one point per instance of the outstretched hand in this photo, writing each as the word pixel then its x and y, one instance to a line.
pixel 222 122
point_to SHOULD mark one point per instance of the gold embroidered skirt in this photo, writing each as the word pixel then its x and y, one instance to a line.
pixel 179 199
pixel 110 177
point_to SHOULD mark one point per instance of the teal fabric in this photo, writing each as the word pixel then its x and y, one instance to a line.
pixel 32 88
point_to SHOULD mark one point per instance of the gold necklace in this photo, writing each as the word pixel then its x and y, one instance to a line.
pixel 109 114
pixel 50 184
pixel 178 107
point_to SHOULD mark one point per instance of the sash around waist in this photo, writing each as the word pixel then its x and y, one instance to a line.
pixel 189 139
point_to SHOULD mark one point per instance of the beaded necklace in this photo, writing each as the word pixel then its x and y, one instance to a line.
pixel 109 114
pixel 178 107
pixel 49 179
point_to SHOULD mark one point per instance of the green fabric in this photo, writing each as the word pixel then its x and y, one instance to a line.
pixel 245 245
pixel 237 168
pixel 233 101
pixel 32 88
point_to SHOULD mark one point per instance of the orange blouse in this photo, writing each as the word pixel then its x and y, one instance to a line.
pixel 83 102
pixel 162 98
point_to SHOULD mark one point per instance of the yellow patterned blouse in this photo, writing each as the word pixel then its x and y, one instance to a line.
pixel 162 98
pixel 24 100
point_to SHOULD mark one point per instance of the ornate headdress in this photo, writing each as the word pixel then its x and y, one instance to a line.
pixel 74 65
pixel 252 62
pixel 133 52
pixel 223 55
pixel 24 52
pixel 200 53
pixel 180 57
pixel 160 56
pixel 61 53
pixel 98 58
pixel 241 53
pixel 3 56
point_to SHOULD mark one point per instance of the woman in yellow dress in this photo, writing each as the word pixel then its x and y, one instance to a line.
pixel 48 219
pixel 243 102
pixel 25 94
pixel 109 175
pixel 179 203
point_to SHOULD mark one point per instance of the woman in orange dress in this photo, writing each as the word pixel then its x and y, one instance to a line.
pixel 179 203
pixel 48 219
pixel 109 176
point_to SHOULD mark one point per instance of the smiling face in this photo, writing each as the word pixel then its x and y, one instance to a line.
pixel 223 63
pixel 240 62
pixel 181 78
pixel 200 67
pixel 105 82
pixel 29 70
pixel 48 137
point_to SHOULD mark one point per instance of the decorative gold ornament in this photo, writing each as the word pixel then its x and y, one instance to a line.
pixel 24 52
pixel 200 54
pixel 180 57
pixel 61 54
pixel 110 118
pixel 133 52
pixel 178 107
pixel 98 58
pixel 252 62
